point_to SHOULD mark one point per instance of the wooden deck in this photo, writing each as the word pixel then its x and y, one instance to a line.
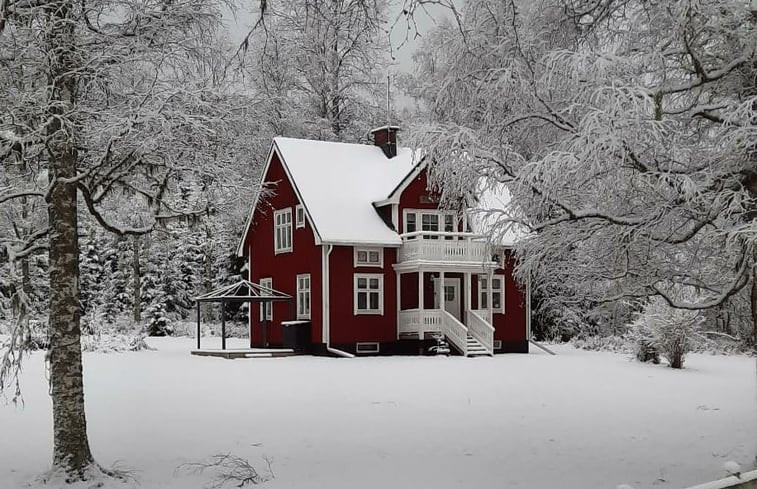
pixel 245 353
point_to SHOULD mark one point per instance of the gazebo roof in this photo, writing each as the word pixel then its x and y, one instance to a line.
pixel 243 290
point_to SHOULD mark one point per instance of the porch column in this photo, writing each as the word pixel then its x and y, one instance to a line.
pixel 440 290
pixel 490 277
pixel 421 319
pixel 467 293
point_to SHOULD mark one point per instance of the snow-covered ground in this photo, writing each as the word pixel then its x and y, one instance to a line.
pixel 577 420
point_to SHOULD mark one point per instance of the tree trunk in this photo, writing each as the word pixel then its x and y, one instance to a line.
pixel 136 281
pixel 71 451
pixel 753 300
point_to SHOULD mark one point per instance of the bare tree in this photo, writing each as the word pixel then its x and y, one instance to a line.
pixel 320 66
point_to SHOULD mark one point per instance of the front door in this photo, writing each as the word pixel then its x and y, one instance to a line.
pixel 450 295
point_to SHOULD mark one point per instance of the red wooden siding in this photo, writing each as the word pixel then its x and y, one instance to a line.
pixel 512 325
pixel 283 268
pixel 345 326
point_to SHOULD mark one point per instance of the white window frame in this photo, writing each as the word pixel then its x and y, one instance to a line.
pixel 380 291
pixel 419 219
pixel 266 308
pixel 482 293
pixel 286 227
pixel 303 296
pixel 372 347
pixel 368 251
pixel 299 215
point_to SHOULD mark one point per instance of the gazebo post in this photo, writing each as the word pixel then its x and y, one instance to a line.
pixel 223 325
pixel 198 324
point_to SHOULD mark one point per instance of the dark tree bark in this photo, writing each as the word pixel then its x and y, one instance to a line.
pixel 71 451
pixel 753 301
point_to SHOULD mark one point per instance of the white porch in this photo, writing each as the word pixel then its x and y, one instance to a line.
pixel 444 306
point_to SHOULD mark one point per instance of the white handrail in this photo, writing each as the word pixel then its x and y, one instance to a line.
pixel 455 331
pixel 441 233
pixel 481 330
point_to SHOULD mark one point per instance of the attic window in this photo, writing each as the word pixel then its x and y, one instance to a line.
pixel 300 216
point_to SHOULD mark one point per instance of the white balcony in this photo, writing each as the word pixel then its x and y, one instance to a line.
pixel 443 247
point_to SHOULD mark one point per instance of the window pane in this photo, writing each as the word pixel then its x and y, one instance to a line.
pixel 374 283
pixel 449 293
pixel 430 222
pixel 483 284
pixel 374 301
pixel 362 283
pixel 410 224
pixel 373 257
pixel 496 283
pixel 362 301
pixel 362 257
pixel 484 302
pixel 496 300
pixel 449 223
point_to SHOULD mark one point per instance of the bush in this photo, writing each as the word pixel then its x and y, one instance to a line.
pixel 663 330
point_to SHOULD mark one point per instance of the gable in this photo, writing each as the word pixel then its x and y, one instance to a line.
pixel 276 179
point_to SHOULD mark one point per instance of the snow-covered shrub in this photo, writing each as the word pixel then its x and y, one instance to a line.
pixel 617 344
pixel 114 342
pixel 234 329
pixel 663 330
pixel 642 337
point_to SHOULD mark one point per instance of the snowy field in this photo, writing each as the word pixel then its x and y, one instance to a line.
pixel 577 420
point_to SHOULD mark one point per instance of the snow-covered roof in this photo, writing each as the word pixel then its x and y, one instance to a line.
pixel 338 184
pixel 490 212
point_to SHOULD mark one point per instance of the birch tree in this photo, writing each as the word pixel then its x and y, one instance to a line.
pixel 111 99
pixel 626 132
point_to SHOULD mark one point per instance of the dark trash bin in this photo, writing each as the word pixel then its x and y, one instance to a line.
pixel 296 335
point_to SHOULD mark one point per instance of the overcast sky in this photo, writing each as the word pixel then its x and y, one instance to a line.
pixel 402 52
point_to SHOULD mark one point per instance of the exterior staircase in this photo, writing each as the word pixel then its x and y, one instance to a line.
pixel 475 348
pixel 474 340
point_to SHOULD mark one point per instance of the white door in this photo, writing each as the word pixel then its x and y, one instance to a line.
pixel 450 295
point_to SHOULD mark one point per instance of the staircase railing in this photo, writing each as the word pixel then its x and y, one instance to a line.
pixel 455 331
pixel 481 330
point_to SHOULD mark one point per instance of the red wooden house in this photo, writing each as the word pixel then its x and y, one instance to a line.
pixel 354 235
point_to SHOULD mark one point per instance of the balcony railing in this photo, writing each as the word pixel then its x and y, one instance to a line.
pixel 443 247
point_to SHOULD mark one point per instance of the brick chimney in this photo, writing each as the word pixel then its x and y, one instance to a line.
pixel 385 137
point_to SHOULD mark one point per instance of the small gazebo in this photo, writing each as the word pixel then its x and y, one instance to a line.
pixel 242 291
